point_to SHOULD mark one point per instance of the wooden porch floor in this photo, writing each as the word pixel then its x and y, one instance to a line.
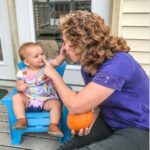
pixel 30 141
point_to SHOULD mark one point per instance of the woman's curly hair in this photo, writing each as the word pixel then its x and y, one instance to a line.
pixel 90 38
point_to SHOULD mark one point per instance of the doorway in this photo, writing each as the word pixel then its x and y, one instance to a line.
pixel 7 69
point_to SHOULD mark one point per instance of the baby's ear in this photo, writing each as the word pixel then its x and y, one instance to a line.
pixel 26 62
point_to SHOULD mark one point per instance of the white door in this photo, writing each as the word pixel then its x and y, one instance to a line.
pixel 7 70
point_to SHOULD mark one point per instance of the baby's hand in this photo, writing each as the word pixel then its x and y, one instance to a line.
pixel 22 86
pixel 63 51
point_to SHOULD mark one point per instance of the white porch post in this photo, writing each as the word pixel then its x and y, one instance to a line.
pixel 25 21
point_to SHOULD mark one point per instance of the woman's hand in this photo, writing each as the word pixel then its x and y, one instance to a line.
pixel 49 70
pixel 86 131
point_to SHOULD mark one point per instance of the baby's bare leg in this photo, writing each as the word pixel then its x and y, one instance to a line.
pixel 54 106
pixel 20 102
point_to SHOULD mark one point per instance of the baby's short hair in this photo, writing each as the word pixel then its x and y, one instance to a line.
pixel 23 47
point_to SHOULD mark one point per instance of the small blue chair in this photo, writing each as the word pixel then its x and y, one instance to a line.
pixel 37 121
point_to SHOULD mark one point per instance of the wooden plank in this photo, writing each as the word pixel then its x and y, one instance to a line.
pixel 10 148
pixel 4 127
pixel 3 117
pixel 30 143
pixel 142 58
pixel 146 69
pixel 133 6
pixel 136 32
pixel 139 45
pixel 43 135
pixel 135 19
pixel 3 108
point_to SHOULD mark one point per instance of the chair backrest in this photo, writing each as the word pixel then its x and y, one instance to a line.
pixel 60 69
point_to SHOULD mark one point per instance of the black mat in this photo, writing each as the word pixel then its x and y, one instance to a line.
pixel 3 92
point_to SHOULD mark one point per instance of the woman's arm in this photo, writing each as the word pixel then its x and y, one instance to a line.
pixel 89 97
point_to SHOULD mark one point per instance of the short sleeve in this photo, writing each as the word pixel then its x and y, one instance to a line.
pixel 108 80
pixel 115 71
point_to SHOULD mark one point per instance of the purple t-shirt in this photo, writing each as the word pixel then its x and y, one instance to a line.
pixel 128 106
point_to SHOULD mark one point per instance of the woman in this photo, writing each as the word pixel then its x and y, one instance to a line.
pixel 114 82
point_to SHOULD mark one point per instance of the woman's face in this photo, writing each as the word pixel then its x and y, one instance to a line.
pixel 70 50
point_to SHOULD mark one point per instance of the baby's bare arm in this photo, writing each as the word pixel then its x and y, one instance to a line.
pixel 59 59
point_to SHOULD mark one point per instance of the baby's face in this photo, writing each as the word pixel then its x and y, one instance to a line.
pixel 35 57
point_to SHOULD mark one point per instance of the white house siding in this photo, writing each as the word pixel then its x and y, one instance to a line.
pixel 134 26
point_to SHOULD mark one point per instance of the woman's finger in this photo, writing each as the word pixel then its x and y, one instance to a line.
pixel 45 61
pixel 81 132
pixel 73 132
pixel 86 131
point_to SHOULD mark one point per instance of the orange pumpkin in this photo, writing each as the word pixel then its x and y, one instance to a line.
pixel 79 121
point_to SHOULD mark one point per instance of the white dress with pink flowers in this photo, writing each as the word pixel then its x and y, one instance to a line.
pixel 40 87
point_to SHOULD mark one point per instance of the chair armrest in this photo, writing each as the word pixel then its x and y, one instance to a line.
pixel 7 100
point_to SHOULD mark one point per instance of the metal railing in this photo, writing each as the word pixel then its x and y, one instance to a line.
pixel 46 14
